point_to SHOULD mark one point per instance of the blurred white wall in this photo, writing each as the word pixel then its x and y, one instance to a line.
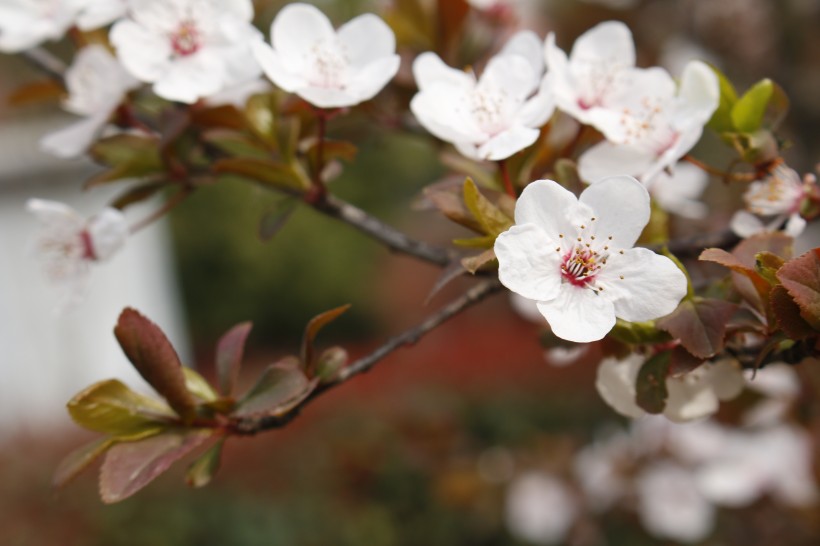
pixel 45 357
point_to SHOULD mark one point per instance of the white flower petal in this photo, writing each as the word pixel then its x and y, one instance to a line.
pixel 539 508
pixel 297 28
pixel 366 39
pixel 699 95
pixel 745 224
pixel 190 78
pixel 74 140
pixel 512 75
pixel 108 232
pixel 143 53
pixel 275 69
pixel 507 143
pixel 608 159
pixel 615 382
pixel 372 78
pixel 578 314
pixel 678 193
pixel 621 205
pixel 726 378
pixel 548 205
pixel 538 109
pixel 631 277
pixel 795 225
pixel 528 45
pixel 429 69
pixel 610 41
pixel 689 398
pixel 528 262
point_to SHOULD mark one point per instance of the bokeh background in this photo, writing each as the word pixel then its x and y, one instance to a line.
pixel 421 450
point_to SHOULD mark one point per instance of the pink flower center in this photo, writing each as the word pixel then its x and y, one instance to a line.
pixel 580 266
pixel 186 40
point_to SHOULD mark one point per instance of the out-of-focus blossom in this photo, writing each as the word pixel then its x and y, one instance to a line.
pixel 539 508
pixel 656 125
pixel 670 505
pixel 506 9
pixel 615 4
pixel 69 243
pixel 328 68
pixel 777 198
pixel 494 116
pixel 189 49
pixel 97 84
pixel 780 386
pixel 775 460
pixel 574 257
pixel 601 470
pixel 27 23
pixel 693 395
pixel 100 13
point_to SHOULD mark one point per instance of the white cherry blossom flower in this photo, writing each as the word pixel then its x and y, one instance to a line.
pixel 574 257
pixel 670 505
pixel 27 23
pixel 494 116
pixel 100 13
pixel 656 125
pixel 189 49
pixel 590 84
pixel 69 243
pixel 326 67
pixel 97 84
pixel 540 508
pixel 777 198
pixel 693 395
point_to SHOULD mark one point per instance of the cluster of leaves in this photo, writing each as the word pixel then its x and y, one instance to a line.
pixel 144 436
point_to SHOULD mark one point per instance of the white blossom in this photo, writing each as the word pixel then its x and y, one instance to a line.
pixel 670 505
pixel 100 13
pixel 326 67
pixel 68 243
pixel 574 257
pixel 654 124
pixel 539 508
pixel 97 84
pixel 27 23
pixel 693 395
pixel 491 117
pixel 777 198
pixel 189 49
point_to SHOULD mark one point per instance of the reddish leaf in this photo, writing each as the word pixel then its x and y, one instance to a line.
pixel 451 17
pixel 130 466
pixel 229 353
pixel 683 362
pixel 474 263
pixel 78 460
pixel 650 386
pixel 751 285
pixel 801 277
pixel 312 329
pixel 787 314
pixel 226 116
pixel 282 386
pixel 32 93
pixel 447 197
pixel 155 359
pixel 700 324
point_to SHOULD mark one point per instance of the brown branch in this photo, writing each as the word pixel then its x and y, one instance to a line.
pixel 254 425
pixel 691 247
pixel 45 61
pixel 394 239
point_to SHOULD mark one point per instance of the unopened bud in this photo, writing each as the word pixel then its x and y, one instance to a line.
pixel 330 363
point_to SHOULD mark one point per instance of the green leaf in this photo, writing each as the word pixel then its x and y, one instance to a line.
pixel 203 469
pixel 486 242
pixel 130 466
pixel 78 460
pixel 263 171
pixel 155 359
pixel 330 363
pixel 229 352
pixel 722 118
pixel 312 330
pixel 748 111
pixel 112 408
pixel 650 386
pixel 138 194
pixel 233 143
pixel 767 264
pixel 448 198
pixel 282 386
pixel 128 156
pixel 637 333
pixel 700 324
pixel 801 277
pixel 198 385
pixel 492 220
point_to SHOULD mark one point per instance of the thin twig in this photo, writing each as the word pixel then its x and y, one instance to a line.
pixel 253 425
pixel 391 237
pixel 505 178
pixel 167 207
pixel 726 176
pixel 45 61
